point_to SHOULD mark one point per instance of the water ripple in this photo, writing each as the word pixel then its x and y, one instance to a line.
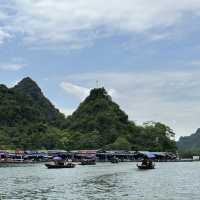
pixel 169 181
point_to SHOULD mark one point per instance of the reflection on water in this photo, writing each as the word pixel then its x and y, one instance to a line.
pixel 169 181
pixel 102 187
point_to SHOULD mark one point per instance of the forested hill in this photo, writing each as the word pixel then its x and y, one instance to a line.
pixel 102 123
pixel 46 111
pixel 25 103
pixel 99 115
pixel 190 143
pixel 29 120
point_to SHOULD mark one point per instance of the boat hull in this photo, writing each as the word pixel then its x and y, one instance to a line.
pixel 50 166
pixel 88 162
pixel 143 167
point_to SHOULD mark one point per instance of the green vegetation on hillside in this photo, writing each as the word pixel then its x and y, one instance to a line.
pixel 98 116
pixel 28 120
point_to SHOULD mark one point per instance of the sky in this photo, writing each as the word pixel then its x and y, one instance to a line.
pixel 145 53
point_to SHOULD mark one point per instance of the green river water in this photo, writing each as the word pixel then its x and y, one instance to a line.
pixel 123 181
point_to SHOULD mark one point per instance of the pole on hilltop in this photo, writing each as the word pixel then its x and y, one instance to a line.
pixel 97 83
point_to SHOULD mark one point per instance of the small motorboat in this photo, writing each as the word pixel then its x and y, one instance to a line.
pixel 57 166
pixel 146 166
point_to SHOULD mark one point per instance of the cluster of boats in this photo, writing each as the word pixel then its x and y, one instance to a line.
pixel 59 163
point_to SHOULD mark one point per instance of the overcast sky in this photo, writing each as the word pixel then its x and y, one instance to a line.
pixel 145 53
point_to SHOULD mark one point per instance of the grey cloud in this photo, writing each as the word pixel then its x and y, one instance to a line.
pixel 78 23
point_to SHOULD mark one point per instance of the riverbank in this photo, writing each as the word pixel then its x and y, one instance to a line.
pixel 78 155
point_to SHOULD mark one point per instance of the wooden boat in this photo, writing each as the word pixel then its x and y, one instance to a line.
pixel 146 166
pixel 56 166
pixel 88 162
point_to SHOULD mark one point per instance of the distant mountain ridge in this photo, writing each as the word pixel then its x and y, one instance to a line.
pixel 191 142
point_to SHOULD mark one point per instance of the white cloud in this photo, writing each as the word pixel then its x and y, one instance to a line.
pixel 78 91
pixel 11 66
pixel 171 97
pixel 82 92
pixel 4 36
pixel 195 63
pixel 4 20
pixel 77 23
pixel 66 111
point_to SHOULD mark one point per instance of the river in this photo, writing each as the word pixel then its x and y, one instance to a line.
pixel 123 181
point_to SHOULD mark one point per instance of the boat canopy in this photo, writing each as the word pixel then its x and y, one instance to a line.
pixel 149 155
pixel 57 158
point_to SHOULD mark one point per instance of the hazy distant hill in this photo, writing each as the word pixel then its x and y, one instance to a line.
pixel 29 120
pixel 191 142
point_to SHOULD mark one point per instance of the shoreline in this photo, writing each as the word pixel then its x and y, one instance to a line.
pixel 133 161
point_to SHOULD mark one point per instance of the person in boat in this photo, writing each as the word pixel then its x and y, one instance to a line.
pixel 145 162
pixel 150 163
